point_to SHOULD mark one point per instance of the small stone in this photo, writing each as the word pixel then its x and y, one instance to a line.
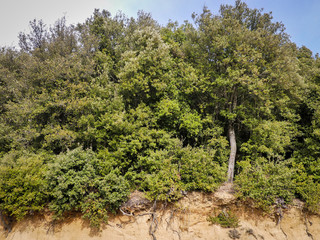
pixel 234 234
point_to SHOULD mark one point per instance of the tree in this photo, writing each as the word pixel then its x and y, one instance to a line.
pixel 146 74
pixel 36 39
pixel 248 67
pixel 307 152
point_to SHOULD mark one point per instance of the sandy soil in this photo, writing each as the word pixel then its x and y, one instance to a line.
pixel 184 220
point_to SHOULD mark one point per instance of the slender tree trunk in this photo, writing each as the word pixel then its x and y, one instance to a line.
pixel 233 152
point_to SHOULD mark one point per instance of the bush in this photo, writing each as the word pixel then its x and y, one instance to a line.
pixel 164 185
pixel 310 193
pixel 173 170
pixel 225 219
pixel 264 182
pixel 307 188
pixel 22 183
pixel 78 183
pixel 199 171
pixel 110 191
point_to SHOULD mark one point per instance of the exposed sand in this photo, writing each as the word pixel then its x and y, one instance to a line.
pixel 184 220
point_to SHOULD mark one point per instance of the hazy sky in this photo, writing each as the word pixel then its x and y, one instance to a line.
pixel 301 17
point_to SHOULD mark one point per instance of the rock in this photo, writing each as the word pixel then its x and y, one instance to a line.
pixel 234 234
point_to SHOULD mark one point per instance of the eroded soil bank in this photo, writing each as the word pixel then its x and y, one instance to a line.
pixel 184 220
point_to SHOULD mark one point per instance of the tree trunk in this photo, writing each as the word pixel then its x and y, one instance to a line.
pixel 233 152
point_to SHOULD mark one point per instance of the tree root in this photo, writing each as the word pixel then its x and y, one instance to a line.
pixel 169 224
pixel 51 227
pixel 250 232
pixel 170 218
pixel 126 214
pixel 154 223
pixel 306 220
pixel 153 226
pixel 6 224
pixel 283 232
pixel 279 214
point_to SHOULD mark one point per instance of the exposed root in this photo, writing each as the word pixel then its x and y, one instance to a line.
pixel 175 231
pixel 153 226
pixel 51 227
pixel 171 217
pixel 250 232
pixel 280 204
pixel 283 232
pixel 126 214
pixel 279 214
pixel 307 228
pixel 7 223
pixel 154 221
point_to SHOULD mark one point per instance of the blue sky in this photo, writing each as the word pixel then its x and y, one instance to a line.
pixel 300 17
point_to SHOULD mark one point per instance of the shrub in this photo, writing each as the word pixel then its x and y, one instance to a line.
pixel 164 185
pixel 77 183
pixel 310 193
pixel 110 191
pixel 199 171
pixel 225 219
pixel 307 188
pixel 264 182
pixel 70 176
pixel 171 171
pixel 22 183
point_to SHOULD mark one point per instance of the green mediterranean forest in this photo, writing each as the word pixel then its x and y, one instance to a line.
pixel 93 111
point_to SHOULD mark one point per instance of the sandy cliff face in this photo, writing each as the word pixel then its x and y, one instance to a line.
pixel 184 220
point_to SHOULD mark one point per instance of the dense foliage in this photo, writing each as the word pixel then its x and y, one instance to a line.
pixel 91 112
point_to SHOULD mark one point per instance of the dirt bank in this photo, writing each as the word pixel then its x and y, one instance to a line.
pixel 184 220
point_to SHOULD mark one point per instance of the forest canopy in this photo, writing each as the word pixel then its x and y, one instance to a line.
pixel 93 111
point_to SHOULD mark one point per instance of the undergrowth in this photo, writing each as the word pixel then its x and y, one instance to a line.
pixel 225 219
